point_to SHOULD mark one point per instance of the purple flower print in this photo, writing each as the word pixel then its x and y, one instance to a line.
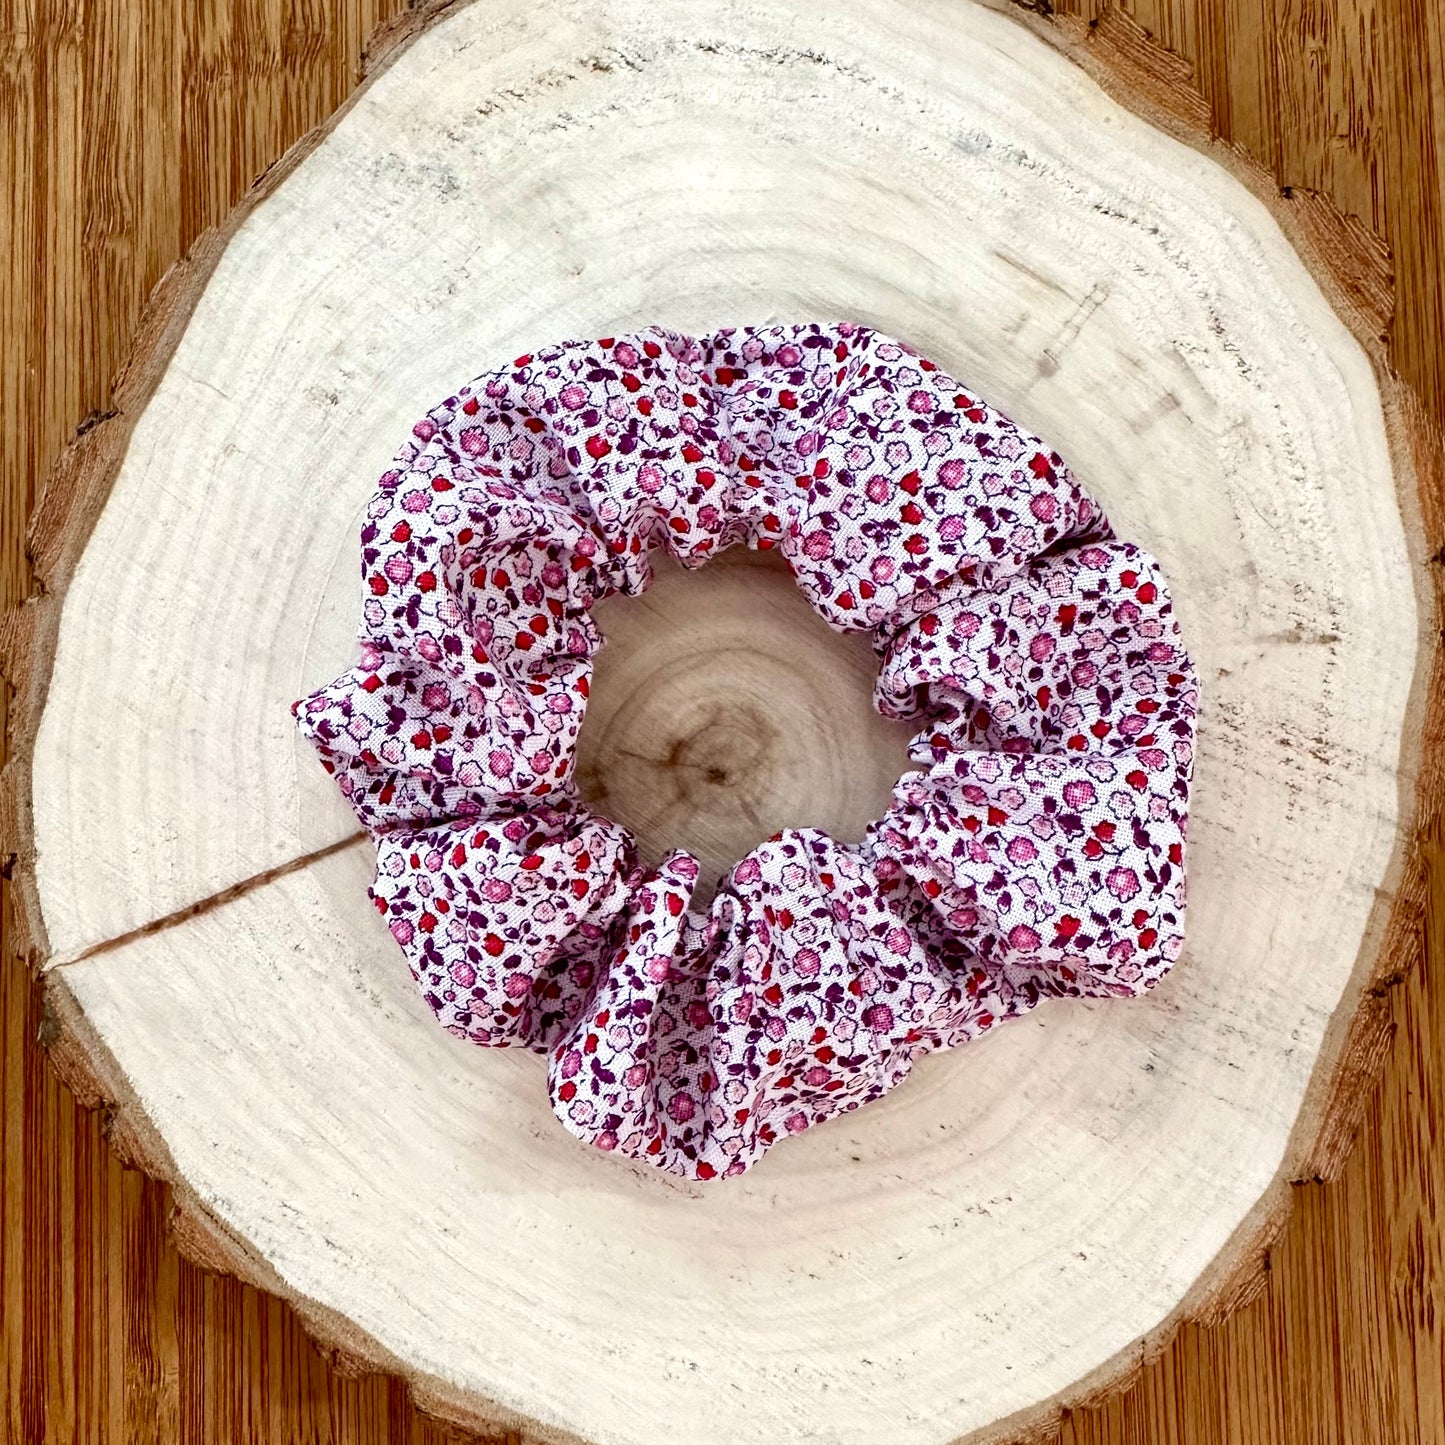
pixel 1036 850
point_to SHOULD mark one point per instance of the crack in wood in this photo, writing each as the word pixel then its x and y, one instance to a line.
pixel 206 905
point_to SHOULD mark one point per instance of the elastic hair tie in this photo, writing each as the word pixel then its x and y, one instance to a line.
pixel 1038 850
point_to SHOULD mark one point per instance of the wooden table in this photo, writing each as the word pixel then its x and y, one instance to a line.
pixel 128 127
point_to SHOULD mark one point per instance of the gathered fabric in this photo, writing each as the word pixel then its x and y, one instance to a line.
pixel 1035 850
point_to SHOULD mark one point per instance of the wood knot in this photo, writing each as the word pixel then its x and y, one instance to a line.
pixel 723 710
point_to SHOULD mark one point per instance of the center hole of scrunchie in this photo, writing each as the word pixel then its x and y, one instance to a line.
pixel 724 709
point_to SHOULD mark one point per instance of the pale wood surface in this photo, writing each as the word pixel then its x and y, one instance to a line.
pixel 1413 1271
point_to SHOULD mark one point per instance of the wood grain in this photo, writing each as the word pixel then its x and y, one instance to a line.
pixel 131 127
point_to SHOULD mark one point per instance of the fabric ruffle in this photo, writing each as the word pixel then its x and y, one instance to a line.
pixel 1037 850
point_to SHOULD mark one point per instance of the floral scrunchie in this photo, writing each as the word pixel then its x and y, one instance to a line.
pixel 1036 851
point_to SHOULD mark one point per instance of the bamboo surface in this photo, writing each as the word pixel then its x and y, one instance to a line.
pixel 129 126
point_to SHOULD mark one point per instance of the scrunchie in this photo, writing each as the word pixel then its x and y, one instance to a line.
pixel 1037 850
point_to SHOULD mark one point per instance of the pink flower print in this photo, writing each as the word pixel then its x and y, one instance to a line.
pixel 1123 883
pixel 985 767
pixel 1030 666
pixel 747 872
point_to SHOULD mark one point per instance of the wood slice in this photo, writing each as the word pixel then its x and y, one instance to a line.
pixel 1027 1218
pixel 724 709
